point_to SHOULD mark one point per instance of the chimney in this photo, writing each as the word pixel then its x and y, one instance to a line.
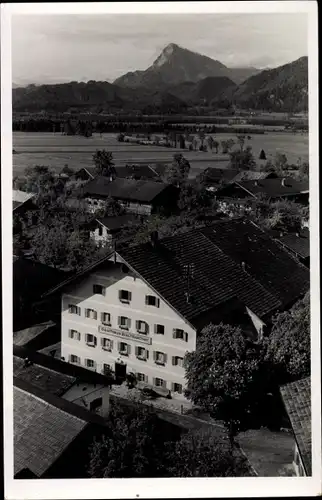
pixel 154 238
pixel 256 183
pixel 283 182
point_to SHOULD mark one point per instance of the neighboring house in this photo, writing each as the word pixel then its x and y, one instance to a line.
pixel 31 279
pixel 141 308
pixel 106 230
pixel 274 189
pixel 298 244
pixel 85 174
pixel 37 336
pixel 22 201
pixel 297 401
pixel 215 178
pixel 51 435
pixel 137 172
pixel 140 197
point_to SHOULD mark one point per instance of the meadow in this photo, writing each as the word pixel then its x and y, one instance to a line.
pixel 56 150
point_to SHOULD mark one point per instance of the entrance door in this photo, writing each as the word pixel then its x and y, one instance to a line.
pixel 120 371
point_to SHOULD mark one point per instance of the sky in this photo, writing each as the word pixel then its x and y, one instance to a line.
pixel 63 48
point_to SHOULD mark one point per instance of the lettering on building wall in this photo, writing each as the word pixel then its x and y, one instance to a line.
pixel 124 334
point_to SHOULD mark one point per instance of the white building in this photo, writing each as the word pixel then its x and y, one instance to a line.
pixel 140 309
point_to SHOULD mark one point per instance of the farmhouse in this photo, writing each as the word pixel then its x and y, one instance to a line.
pixel 138 172
pixel 105 230
pixel 298 244
pixel 214 178
pixel 297 401
pixel 273 189
pixel 51 434
pixel 140 309
pixel 140 197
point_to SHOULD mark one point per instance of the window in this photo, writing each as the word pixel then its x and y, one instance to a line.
pixel 74 309
pixel 106 318
pixel 107 369
pixel 125 296
pixel 151 300
pixel 90 340
pixel 159 329
pixel 142 327
pixel 90 363
pixel 177 361
pixel 124 322
pixel 142 378
pixel 160 357
pixel 107 344
pixel 177 388
pixel 90 313
pixel 141 353
pixel 99 289
pixel 74 359
pixel 74 334
pixel 124 348
pixel 159 382
pixel 100 231
pixel 180 334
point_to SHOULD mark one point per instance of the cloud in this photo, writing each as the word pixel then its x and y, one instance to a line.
pixel 66 47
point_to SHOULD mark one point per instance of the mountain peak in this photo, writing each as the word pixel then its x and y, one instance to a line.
pixel 166 53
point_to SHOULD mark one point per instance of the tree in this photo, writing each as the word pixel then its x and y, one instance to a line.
pixel 131 448
pixel 210 142
pixel 280 215
pixel 280 163
pixel 242 159
pixel 288 346
pixel 225 376
pixel 177 172
pixel 224 147
pixel 201 454
pixel 194 198
pixel 104 164
pixel 262 155
pixel 216 145
pixel 241 141
pixel 230 144
pixel 304 171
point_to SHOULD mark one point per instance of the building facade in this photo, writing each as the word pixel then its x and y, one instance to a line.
pixel 113 319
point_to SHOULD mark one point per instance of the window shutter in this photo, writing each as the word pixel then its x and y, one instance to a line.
pixel 136 351
pixel 70 358
pixel 172 386
pixel 173 361
pixel 129 322
pixel 186 336
pixel 119 346
pixel 147 300
pixel 128 349
pixel 120 294
pixel 155 328
pixel 95 365
pixel 119 320
pixel 111 344
pixel 102 317
pixel 165 357
pixel 130 295
pixel 95 341
pixel 154 381
pixel 70 334
pixel 137 325
pixel 102 342
pixel 147 354
pixel 78 336
pixel 174 333
pixel 95 314
pixel 158 302
pixel 146 328
pixel 154 355
pixel 86 337
pixel 146 379
pixel 164 384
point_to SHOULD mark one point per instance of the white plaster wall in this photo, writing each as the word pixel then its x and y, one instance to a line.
pixel 104 239
pixel 258 323
pixel 115 280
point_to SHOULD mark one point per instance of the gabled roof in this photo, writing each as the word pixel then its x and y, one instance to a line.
pixel 23 337
pixel 271 278
pixel 118 222
pixel 297 401
pixel 90 171
pixel 44 427
pixel 136 172
pixel 265 261
pixel 20 197
pixel 124 189
pixel 298 243
pixel 248 175
pixel 277 187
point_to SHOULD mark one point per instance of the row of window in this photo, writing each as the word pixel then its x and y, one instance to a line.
pixel 124 323
pixel 141 377
pixel 125 296
pixel 124 349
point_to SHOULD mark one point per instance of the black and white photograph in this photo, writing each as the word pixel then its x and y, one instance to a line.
pixel 162 314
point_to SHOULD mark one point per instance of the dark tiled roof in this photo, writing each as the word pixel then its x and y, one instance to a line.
pixel 124 189
pixel 266 262
pixel 22 337
pixel 42 432
pixel 298 243
pixel 215 175
pixel 136 172
pixel 119 222
pixel 53 350
pixel 216 279
pixel 274 187
pixel 297 400
pixel 49 380
pixel 90 171
pixel 250 175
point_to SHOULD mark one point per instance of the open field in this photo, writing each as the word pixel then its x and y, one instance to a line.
pixel 56 150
